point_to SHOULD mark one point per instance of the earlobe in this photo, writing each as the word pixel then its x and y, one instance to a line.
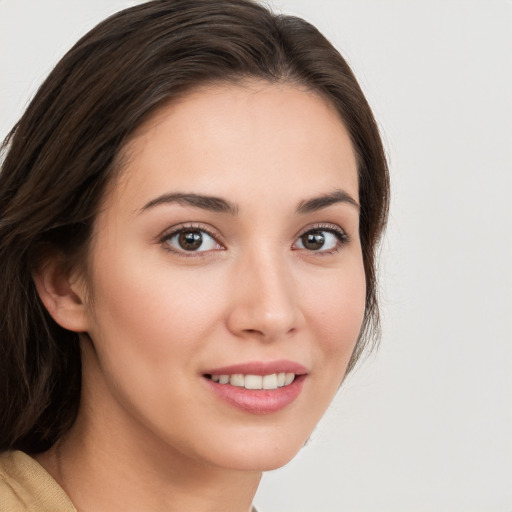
pixel 63 294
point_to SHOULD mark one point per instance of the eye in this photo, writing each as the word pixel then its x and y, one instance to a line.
pixel 191 240
pixel 322 240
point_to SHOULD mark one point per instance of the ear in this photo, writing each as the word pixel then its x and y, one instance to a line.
pixel 63 293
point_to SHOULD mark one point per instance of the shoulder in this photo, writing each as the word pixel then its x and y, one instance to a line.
pixel 25 486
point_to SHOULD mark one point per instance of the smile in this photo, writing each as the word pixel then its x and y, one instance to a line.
pixel 271 381
pixel 257 387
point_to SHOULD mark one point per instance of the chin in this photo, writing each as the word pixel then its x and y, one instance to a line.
pixel 260 462
pixel 263 454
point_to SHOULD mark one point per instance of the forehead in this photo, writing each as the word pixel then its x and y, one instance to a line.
pixel 256 136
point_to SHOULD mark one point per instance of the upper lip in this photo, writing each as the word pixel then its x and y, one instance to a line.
pixel 259 368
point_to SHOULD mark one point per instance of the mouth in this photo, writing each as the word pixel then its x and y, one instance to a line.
pixel 258 388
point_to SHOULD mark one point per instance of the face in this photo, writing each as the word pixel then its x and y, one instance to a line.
pixel 226 260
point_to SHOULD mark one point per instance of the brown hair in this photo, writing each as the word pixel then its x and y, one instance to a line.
pixel 61 154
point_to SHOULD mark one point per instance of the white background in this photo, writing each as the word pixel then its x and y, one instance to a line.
pixel 426 423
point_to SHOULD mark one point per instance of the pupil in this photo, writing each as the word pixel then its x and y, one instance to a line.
pixel 190 240
pixel 313 241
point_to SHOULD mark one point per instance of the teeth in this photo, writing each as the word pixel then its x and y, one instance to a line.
pixel 272 381
pixel 253 382
pixel 237 380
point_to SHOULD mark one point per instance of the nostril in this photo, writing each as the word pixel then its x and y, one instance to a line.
pixel 253 331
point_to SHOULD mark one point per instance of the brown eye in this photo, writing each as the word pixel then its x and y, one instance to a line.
pixel 313 241
pixel 323 240
pixel 190 240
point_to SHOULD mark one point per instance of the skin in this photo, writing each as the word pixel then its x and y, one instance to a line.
pixel 157 317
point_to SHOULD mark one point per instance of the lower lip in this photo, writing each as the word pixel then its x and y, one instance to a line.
pixel 258 401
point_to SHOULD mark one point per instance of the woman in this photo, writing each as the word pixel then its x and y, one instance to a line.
pixel 190 209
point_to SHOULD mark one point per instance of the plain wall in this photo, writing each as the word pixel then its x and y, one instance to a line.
pixel 425 424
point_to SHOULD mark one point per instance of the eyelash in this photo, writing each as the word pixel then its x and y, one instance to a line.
pixel 342 237
pixel 339 233
pixel 183 229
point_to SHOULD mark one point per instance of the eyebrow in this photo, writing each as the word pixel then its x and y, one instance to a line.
pixel 211 203
pixel 318 203
pixel 219 205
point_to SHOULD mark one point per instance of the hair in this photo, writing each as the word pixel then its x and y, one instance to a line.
pixel 61 155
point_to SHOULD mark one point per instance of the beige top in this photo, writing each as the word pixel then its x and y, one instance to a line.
pixel 25 486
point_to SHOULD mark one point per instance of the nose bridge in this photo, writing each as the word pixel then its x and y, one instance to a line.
pixel 266 299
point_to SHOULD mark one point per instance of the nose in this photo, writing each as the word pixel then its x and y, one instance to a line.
pixel 265 300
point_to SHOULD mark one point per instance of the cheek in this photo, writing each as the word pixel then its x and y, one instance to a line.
pixel 151 310
pixel 336 309
pixel 149 325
